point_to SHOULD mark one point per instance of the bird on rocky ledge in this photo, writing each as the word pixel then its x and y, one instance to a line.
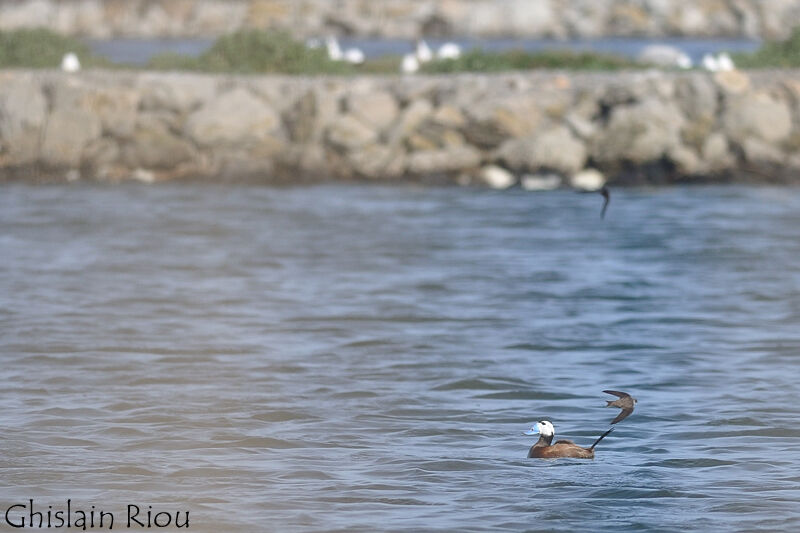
pixel 70 62
pixel 448 51
pixel 410 64
pixel 423 52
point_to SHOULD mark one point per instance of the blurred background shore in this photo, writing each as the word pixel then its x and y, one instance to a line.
pixel 539 94
pixel 408 19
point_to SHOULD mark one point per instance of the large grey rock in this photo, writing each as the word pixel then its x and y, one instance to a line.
pixel 627 91
pixel 696 130
pixel 732 82
pixel 433 135
pixel 22 115
pixel 697 96
pixel 758 151
pixel 235 165
pixel 236 118
pixel 417 112
pixel 179 92
pixel 348 133
pixel 440 129
pixel 716 154
pixel 793 163
pixel 154 146
pixel 304 161
pixel 116 106
pixel 102 152
pixel 525 17
pixel 300 118
pixel 449 116
pixel 212 17
pixel 377 109
pixel 686 160
pixel 447 160
pixel 757 115
pixel 629 18
pixel 67 133
pixel 581 126
pixel 378 161
pixel 493 121
pixel 515 17
pixel 117 109
pixel 555 149
pixel 639 133
pixel 28 14
pixel 101 160
pixel 329 102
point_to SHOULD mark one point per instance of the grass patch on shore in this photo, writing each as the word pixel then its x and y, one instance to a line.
pixel 265 52
pixel 256 52
pixel 773 54
pixel 481 61
pixel 259 52
pixel 41 48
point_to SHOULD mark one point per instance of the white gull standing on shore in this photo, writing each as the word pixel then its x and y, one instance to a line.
pixel 70 62
pixel 664 55
pixel 725 63
pixel 710 63
pixel 410 64
pixel 424 52
pixel 448 51
pixel 335 52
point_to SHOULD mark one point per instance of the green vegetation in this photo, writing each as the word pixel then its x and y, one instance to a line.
pixel 480 61
pixel 781 54
pixel 255 51
pixel 40 48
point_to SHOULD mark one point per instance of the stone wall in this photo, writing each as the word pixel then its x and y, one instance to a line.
pixel 409 18
pixel 644 126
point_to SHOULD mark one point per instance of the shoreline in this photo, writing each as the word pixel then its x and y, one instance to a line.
pixel 407 19
pixel 541 129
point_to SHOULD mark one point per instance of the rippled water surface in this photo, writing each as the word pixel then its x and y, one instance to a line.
pixel 345 358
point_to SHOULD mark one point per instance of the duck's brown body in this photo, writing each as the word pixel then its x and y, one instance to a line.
pixel 562 448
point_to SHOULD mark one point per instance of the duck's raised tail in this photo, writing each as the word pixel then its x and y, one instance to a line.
pixel 601 438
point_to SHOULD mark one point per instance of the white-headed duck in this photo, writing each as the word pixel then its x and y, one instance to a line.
pixel 543 449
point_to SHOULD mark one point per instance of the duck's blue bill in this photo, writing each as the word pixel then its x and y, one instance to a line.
pixel 533 431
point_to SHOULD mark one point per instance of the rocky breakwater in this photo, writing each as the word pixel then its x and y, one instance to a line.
pixel 408 19
pixel 538 129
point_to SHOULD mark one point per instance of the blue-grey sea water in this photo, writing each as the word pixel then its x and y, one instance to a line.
pixel 366 358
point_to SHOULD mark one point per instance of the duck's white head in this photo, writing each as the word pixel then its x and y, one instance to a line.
pixel 544 428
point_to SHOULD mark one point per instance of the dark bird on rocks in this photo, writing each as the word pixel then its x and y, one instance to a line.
pixel 607 196
pixel 625 402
